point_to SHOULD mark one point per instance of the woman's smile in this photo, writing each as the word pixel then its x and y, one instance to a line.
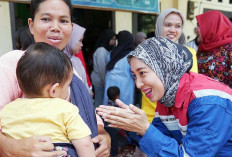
pixel 147 92
pixel 146 80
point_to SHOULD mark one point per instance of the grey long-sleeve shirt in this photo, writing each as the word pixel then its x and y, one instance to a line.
pixel 99 67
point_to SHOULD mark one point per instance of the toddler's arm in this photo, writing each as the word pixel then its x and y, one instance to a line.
pixel 84 147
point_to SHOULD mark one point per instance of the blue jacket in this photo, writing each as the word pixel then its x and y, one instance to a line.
pixel 199 124
pixel 121 77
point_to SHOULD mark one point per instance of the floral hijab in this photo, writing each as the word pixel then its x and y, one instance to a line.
pixel 168 60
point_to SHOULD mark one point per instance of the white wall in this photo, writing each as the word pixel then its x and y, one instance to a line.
pixel 123 21
pixel 5 28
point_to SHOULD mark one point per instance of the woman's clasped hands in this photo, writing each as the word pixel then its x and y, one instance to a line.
pixel 129 118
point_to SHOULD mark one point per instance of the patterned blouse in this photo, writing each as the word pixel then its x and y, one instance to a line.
pixel 217 64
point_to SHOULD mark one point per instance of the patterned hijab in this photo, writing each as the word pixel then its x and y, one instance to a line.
pixel 168 60
pixel 76 35
pixel 160 21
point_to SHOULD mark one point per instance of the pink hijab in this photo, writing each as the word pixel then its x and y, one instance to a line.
pixel 76 35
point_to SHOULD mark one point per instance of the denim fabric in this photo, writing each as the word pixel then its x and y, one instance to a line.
pixel 121 77
pixel 98 96
pixel 81 98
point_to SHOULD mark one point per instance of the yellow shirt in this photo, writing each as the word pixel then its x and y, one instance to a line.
pixel 148 106
pixel 53 117
pixel 194 54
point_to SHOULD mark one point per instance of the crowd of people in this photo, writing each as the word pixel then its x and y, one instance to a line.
pixel 50 105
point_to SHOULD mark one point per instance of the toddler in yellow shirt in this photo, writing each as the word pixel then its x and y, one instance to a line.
pixel 44 74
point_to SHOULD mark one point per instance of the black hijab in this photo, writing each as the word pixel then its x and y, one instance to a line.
pixel 104 40
pixel 124 47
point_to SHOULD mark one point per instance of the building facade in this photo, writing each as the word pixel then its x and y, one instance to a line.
pixel 118 19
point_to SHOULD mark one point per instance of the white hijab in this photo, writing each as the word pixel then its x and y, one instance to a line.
pixel 160 21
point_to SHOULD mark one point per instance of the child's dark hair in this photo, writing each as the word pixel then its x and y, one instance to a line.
pixel 113 93
pixel 42 64
pixel 35 6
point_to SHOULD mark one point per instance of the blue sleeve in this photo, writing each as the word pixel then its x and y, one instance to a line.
pixel 161 127
pixel 209 126
pixel 205 135
pixel 155 143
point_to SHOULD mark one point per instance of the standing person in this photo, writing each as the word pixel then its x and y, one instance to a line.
pixel 103 47
pixel 50 23
pixel 81 57
pixel 44 85
pixel 113 93
pixel 194 113
pixel 139 37
pixel 23 38
pixel 73 47
pixel 215 51
pixel 118 72
pixel 170 24
pixel 196 41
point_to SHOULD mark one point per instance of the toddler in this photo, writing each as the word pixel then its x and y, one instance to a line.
pixel 44 74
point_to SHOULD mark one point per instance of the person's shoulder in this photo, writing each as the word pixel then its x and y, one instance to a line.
pixel 13 53
pixel 192 50
pixel 75 59
pixel 205 84
pixel 11 106
pixel 11 56
pixel 64 104
pixel 100 50
pixel 190 42
pixel 61 101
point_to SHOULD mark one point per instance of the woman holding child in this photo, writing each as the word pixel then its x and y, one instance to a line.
pixel 50 23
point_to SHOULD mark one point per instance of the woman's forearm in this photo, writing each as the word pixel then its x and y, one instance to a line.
pixel 7 146
pixel 28 147
pixel 104 141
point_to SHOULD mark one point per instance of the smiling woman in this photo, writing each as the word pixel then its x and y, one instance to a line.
pixel 48 25
pixel 146 80
pixel 188 105
pixel 172 27
pixel 170 24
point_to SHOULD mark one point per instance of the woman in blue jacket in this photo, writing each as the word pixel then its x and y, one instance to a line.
pixel 118 72
pixel 194 112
